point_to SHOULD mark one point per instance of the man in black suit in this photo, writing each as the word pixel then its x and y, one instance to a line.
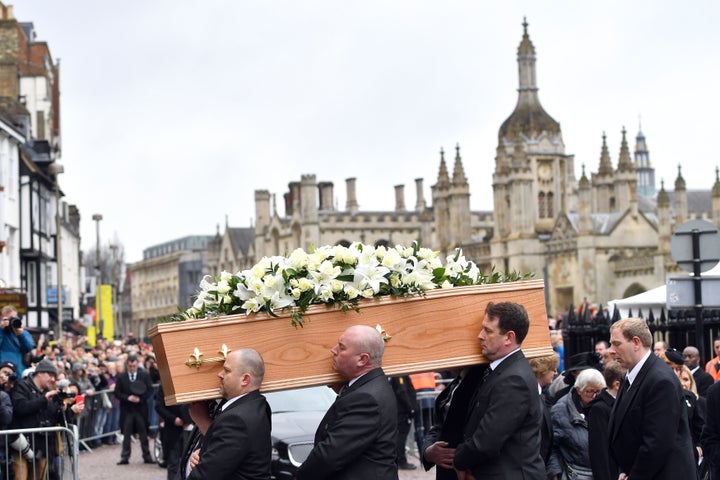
pixel 236 442
pixel 710 439
pixel 446 433
pixel 502 434
pixel 703 380
pixel 133 388
pixel 356 438
pixel 648 431
pixel 175 418
pixel 598 417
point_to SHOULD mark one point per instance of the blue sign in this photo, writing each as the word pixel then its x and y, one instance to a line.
pixel 52 295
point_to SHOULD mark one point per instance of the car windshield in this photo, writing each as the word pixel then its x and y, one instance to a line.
pixel 313 399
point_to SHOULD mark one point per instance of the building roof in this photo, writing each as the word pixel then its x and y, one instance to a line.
pixel 242 239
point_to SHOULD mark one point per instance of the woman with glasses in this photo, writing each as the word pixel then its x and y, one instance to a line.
pixel 570 457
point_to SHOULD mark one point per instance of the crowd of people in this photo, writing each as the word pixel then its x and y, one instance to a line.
pixel 630 409
pixel 45 384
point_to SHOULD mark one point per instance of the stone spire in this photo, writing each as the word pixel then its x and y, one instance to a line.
pixel 681 199
pixel 459 177
pixel 625 163
pixel 663 199
pixel 443 176
pixel 529 115
pixel 605 168
pixel 664 219
pixel 680 181
pixel 716 186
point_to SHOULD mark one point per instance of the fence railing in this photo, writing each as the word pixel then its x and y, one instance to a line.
pixel 100 419
pixel 39 453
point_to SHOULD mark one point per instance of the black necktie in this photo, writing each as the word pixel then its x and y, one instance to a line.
pixel 132 377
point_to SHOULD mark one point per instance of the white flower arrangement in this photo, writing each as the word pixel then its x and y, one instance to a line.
pixel 334 275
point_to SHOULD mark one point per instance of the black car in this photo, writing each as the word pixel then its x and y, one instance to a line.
pixel 296 415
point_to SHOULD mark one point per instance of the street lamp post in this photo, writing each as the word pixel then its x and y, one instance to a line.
pixel 56 169
pixel 101 325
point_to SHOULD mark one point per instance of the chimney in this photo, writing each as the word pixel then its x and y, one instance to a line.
pixel 351 204
pixel 420 203
pixel 326 195
pixel 399 198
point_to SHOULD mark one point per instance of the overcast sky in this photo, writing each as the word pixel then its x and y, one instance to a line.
pixel 174 112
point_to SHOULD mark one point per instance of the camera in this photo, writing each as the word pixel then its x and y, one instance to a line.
pixel 12 378
pixel 15 322
pixel 62 395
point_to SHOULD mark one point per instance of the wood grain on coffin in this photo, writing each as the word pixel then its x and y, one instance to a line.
pixel 432 332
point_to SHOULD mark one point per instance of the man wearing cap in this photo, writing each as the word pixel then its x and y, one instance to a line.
pixel 15 341
pixel 35 405
pixel 133 388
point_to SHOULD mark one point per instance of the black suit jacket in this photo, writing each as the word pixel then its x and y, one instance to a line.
pixel 703 380
pixel 649 434
pixel 237 444
pixel 598 417
pixel 356 438
pixel 142 387
pixel 710 439
pixel 502 435
pixel 449 422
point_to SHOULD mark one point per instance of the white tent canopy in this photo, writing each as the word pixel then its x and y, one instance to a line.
pixel 654 299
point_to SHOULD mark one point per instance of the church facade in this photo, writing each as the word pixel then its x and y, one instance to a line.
pixel 604 236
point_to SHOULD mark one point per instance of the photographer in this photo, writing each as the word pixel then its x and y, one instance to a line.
pixel 5 413
pixel 15 341
pixel 36 404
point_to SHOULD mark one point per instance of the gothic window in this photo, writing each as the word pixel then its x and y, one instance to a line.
pixel 541 204
pixel 612 204
pixel 549 201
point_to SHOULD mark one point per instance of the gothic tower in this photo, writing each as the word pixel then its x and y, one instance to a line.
pixel 534 180
pixel 645 172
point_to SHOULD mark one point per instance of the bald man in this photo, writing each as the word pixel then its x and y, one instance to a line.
pixel 703 380
pixel 356 438
pixel 237 441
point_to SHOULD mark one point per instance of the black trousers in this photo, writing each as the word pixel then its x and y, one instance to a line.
pixel 134 422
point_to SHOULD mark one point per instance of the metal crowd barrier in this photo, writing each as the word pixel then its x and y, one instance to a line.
pixel 49 453
pixel 95 423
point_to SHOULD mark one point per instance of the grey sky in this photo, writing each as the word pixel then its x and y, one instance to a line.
pixel 175 112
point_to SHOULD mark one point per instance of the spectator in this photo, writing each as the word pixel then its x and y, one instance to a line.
pixel 713 366
pixel 424 384
pixel 659 347
pixel 576 364
pixel 406 405
pixel 133 389
pixel 15 341
pixel 601 348
pixel 598 417
pixel 112 423
pixel 175 418
pixel 35 405
pixel 545 369
pixel 570 455
pixel 703 380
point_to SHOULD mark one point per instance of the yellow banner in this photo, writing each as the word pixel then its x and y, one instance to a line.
pixel 105 318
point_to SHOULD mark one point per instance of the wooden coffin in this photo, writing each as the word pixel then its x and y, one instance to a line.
pixel 427 333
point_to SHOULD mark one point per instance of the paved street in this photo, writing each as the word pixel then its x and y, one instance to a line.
pixel 101 464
